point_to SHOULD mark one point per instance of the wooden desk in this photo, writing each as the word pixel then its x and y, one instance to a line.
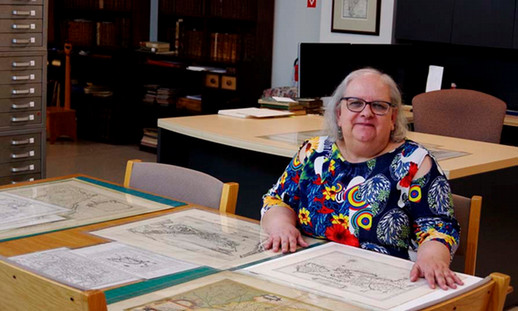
pixel 24 290
pixel 250 134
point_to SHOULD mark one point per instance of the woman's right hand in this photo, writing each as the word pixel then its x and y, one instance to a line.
pixel 279 223
pixel 285 237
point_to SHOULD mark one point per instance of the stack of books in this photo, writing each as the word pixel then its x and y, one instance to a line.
pixel 282 103
pixel 149 138
pixel 150 95
pixel 166 96
pixel 312 105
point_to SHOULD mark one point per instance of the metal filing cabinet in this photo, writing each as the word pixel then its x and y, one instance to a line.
pixel 23 84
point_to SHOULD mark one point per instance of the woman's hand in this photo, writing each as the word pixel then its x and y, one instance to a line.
pixel 433 264
pixel 279 223
pixel 285 237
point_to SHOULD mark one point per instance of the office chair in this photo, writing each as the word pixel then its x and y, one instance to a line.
pixel 459 113
pixel 181 183
pixel 467 212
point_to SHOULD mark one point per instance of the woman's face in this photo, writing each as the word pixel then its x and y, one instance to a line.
pixel 365 126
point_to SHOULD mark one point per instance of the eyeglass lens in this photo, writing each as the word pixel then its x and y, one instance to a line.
pixel 358 104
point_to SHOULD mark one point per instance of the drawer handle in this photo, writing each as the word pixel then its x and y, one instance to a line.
pixel 23 13
pixel 23 26
pixel 23 106
pixel 21 92
pixel 22 41
pixel 22 119
pixel 16 182
pixel 22 169
pixel 22 155
pixel 22 142
pixel 24 64
pixel 23 78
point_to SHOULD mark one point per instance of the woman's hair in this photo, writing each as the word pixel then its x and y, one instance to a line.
pixel 330 114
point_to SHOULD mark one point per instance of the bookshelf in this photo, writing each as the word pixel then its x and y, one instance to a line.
pixel 104 35
pixel 232 39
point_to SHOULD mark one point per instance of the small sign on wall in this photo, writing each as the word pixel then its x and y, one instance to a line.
pixel 312 3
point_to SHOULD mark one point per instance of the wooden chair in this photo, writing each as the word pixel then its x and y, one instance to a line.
pixel 467 212
pixel 61 121
pixel 459 113
pixel 183 184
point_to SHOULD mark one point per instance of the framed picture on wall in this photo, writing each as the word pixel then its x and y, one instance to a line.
pixel 356 16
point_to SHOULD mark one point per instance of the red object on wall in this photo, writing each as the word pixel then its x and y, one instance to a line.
pixel 312 3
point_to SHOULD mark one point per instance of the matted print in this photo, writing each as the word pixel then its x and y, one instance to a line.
pixel 67 203
pixel 197 236
pixel 357 276
pixel 230 291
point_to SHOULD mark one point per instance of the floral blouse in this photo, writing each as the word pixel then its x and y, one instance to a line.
pixel 374 204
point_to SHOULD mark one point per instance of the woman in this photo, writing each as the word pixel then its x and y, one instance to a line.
pixel 365 185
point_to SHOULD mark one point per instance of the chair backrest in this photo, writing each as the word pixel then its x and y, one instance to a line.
pixel 182 183
pixel 459 113
pixel 467 212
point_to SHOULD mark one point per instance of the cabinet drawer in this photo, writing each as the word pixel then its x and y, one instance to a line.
pixel 21 90
pixel 22 140
pixel 19 41
pixel 16 154
pixel 20 119
pixel 19 178
pixel 20 104
pixel 21 63
pixel 212 80
pixel 24 11
pixel 20 76
pixel 228 83
pixel 32 2
pixel 19 168
pixel 17 25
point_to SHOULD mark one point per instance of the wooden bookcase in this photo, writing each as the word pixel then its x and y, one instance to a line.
pixel 234 36
pixel 104 35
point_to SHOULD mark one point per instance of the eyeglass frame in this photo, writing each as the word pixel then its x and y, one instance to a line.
pixel 367 103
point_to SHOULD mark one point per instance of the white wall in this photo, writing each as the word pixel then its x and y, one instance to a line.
pixel 295 23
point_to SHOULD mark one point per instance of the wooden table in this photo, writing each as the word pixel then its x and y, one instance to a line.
pixel 24 290
pixel 242 150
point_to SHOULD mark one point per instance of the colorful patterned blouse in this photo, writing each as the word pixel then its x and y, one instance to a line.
pixel 374 205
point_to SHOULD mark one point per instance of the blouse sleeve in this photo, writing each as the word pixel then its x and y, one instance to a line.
pixel 431 208
pixel 286 191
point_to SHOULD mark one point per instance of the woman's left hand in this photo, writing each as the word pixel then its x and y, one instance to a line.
pixel 433 264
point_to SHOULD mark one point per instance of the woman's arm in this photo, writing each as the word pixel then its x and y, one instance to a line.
pixel 280 224
pixel 433 257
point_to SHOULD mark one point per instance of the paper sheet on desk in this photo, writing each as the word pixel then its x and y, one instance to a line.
pixel 254 113
pixel 434 80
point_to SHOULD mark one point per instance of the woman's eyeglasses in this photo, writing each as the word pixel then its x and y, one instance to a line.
pixel 356 104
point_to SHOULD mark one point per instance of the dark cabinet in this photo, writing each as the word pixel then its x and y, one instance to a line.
pixel 465 22
pixel 423 20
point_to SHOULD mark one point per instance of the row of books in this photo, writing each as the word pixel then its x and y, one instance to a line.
pixel 115 5
pixel 224 47
pixel 81 32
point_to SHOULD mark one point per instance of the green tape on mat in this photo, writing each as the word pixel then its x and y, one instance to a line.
pixel 148 286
